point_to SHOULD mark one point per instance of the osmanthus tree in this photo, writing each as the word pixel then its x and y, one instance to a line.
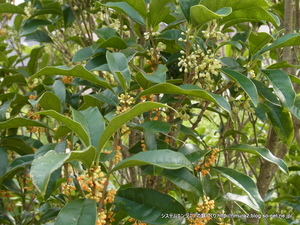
pixel 147 112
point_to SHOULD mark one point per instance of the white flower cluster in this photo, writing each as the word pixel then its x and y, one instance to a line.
pixel 148 34
pixel 200 64
pixel 215 34
pixel 125 101
pixel 29 9
pixel 182 113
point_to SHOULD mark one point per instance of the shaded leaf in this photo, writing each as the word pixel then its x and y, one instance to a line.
pixel 164 158
pixel 155 127
pixel 186 5
pixel 189 90
pixel 158 11
pixel 193 152
pixel 20 122
pixel 247 85
pixel 263 152
pixel 10 8
pixel 240 198
pixel 78 212
pixel 50 101
pixel 147 205
pixel 77 71
pixel 73 125
pixel 244 182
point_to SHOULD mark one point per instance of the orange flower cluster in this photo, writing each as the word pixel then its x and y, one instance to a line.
pixel 105 218
pixel 203 209
pixel 67 79
pixel 136 222
pixel 93 183
pixel 67 188
pixel 118 155
pixel 204 166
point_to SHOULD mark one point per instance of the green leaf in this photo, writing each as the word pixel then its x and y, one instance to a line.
pixel 282 86
pixel 147 205
pixel 119 120
pixel 291 39
pixel 16 166
pixel 126 9
pixel 3 110
pixel 20 122
pixel 86 156
pixel 73 125
pixel 266 92
pixel 10 80
pixel 193 152
pixel 240 198
pixel 184 179
pixel 282 123
pixel 78 212
pixel 50 101
pixel 77 71
pixel 59 90
pixel 39 36
pixel 32 25
pixel 186 5
pixel 189 90
pixel 295 109
pixel 114 42
pixel 92 121
pixel 158 11
pixel 117 62
pixel 43 167
pixel 201 15
pixel 244 182
pixel 139 6
pixel 155 127
pixel 68 15
pixel 3 161
pixel 247 85
pixel 258 40
pixel 35 56
pixel 159 75
pixel 16 144
pixel 10 8
pixel 165 158
pixel 263 152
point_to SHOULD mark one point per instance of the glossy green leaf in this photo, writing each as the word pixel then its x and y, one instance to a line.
pixel 244 182
pixel 246 84
pixel 282 123
pixel 189 90
pixel 159 75
pixel 184 179
pixel 3 110
pixel 139 6
pixel 20 122
pixel 266 92
pixel 114 42
pixel 43 167
pixel 3 161
pixel 10 80
pixel 158 11
pixel 51 7
pixel 39 36
pixel 201 15
pixel 72 124
pixel 78 212
pixel 117 62
pixel 283 64
pixel 126 9
pixel 68 15
pixel 32 25
pixel 10 8
pixel 165 158
pixel 35 55
pixel 155 127
pixel 263 152
pixel 193 152
pixel 86 156
pixel 84 54
pixel 282 86
pixel 258 40
pixel 292 39
pixel 92 121
pixel 236 5
pixel 119 120
pixel 77 71
pixel 240 198
pixel 295 109
pixel 16 144
pixel 186 5
pixel 147 205
pixel 17 165
pixel 59 90
pixel 50 101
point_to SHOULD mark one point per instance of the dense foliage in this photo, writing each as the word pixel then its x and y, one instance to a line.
pixel 148 112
